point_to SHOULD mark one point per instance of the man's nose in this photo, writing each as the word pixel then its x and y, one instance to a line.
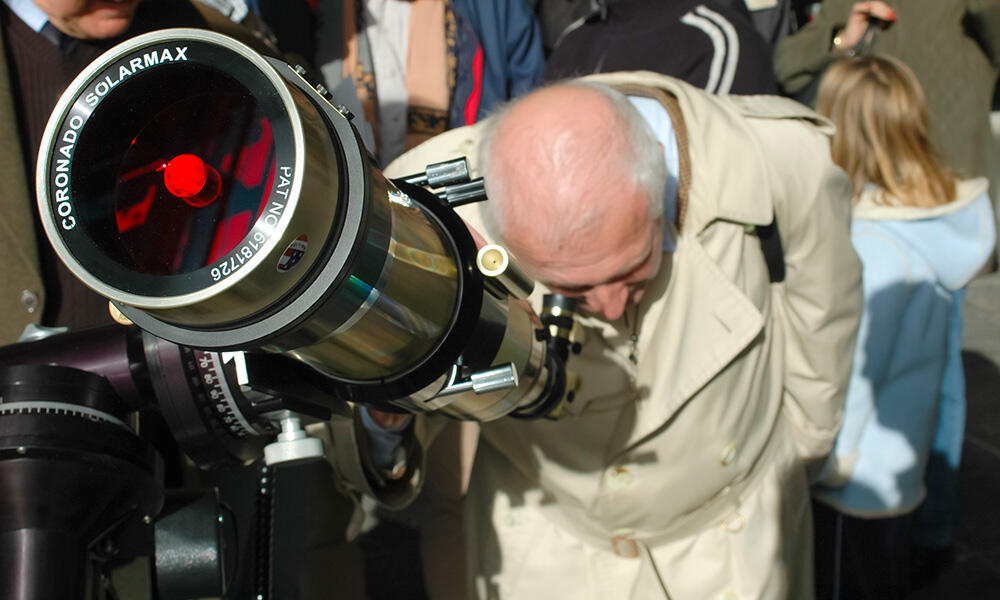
pixel 608 300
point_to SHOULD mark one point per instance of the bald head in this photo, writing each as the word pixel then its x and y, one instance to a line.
pixel 575 179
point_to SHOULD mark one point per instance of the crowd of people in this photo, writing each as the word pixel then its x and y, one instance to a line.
pixel 755 413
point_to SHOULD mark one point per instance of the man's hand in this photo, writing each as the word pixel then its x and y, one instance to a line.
pixel 861 14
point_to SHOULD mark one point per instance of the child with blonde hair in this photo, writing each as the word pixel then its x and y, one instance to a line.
pixel 922 234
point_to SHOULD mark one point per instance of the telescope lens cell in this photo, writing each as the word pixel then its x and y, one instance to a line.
pixel 173 172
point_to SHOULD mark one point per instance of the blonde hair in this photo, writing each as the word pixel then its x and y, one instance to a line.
pixel 882 136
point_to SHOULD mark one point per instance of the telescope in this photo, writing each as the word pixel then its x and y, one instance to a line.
pixel 221 202
pixel 228 209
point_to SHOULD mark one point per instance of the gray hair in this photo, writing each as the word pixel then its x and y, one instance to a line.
pixel 642 162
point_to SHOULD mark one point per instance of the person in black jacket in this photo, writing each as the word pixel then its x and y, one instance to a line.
pixel 703 42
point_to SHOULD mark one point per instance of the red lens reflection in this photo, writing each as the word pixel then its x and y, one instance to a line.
pixel 185 175
pixel 190 179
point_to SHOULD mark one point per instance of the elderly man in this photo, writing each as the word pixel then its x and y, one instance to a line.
pixel 706 383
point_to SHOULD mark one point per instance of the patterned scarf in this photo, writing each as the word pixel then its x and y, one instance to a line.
pixel 430 63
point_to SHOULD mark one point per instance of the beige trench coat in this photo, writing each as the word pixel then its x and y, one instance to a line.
pixel 682 476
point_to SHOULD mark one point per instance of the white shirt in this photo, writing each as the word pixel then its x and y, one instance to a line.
pixel 663 128
pixel 28 12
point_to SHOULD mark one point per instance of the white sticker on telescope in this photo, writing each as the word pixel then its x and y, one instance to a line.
pixel 293 253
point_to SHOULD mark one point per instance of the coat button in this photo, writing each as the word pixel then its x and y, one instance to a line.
pixel 728 454
pixel 623 545
pixel 620 478
pixel 734 523
pixel 29 300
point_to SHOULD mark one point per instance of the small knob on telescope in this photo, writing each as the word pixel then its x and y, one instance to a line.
pixel 293 444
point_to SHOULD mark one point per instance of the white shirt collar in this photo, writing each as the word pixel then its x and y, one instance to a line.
pixel 659 121
pixel 28 12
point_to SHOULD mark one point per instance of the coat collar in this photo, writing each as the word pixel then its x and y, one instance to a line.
pixel 696 323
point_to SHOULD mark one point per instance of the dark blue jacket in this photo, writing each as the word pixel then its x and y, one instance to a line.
pixel 499 52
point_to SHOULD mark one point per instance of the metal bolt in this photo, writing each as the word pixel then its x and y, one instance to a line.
pixel 29 300
pixel 342 109
pixel 109 548
pixel 22 450
pixel 147 519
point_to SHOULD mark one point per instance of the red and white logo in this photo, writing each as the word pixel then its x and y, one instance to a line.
pixel 293 253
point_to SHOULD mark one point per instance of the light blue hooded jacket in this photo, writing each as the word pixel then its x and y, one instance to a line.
pixel 915 261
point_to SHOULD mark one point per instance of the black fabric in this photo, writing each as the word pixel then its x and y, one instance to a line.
pixel 293 24
pixel 774 254
pixel 740 6
pixel 558 17
pixel 650 35
pixel 860 559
